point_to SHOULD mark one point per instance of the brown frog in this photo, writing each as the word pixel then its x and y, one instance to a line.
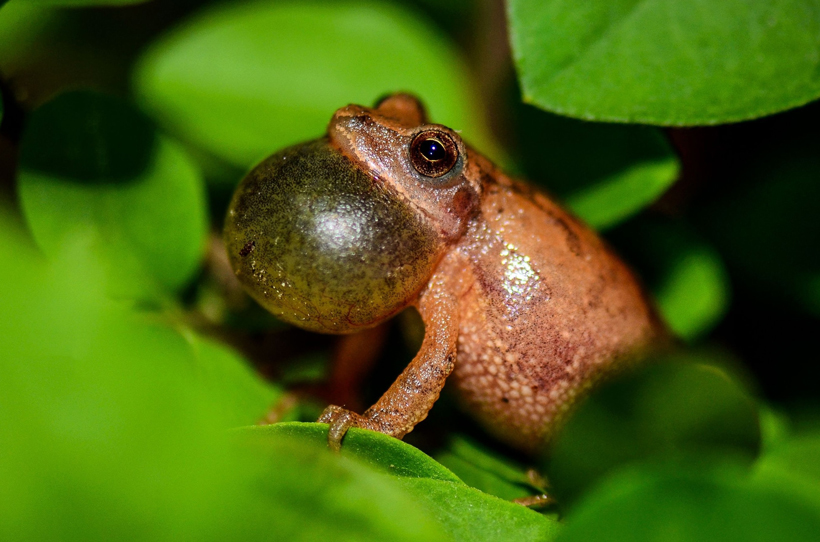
pixel 525 308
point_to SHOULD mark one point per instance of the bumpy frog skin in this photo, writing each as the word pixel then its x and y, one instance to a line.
pixel 525 308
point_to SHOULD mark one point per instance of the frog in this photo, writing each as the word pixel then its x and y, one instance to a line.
pixel 525 308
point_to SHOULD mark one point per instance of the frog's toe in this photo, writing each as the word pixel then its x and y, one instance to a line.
pixel 340 420
pixel 330 414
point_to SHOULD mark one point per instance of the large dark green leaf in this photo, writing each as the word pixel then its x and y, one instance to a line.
pixel 690 506
pixel 94 165
pixel 665 412
pixel 668 63
pixel 245 80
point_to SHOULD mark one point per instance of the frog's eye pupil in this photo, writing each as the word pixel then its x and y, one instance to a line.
pixel 433 153
pixel 433 150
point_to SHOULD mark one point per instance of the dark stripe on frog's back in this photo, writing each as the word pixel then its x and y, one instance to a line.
pixel 568 222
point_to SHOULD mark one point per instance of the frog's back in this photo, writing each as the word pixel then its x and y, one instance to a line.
pixel 550 308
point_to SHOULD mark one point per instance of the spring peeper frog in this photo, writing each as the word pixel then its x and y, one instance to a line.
pixel 524 306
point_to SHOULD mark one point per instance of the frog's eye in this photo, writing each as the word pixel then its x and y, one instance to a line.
pixel 433 153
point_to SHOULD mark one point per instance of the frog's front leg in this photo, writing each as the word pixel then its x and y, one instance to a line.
pixel 413 394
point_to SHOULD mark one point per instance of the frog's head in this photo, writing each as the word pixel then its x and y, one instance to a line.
pixel 340 233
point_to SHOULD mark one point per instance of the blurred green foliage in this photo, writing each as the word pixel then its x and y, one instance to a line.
pixel 685 273
pixel 243 79
pixel 676 410
pixel 604 172
pixel 132 192
pixel 769 228
pixel 680 504
pixel 126 407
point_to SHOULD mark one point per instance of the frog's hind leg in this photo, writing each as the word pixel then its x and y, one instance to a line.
pixel 414 392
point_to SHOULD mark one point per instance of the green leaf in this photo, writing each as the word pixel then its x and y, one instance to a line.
pixel 106 432
pixel 789 458
pixel 667 63
pixel 690 505
pixel 468 514
pixel 377 450
pixel 114 429
pixel 230 380
pixel 607 204
pixel 307 494
pixel 775 428
pixel 667 411
pixel 797 455
pixel 693 295
pixel 463 512
pixel 791 465
pixel 484 470
pixel 92 164
pixel 246 80
pixel 686 274
pixel 603 172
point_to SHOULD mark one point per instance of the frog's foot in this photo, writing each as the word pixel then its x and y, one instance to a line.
pixel 340 420
pixel 535 501
pixel 539 483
